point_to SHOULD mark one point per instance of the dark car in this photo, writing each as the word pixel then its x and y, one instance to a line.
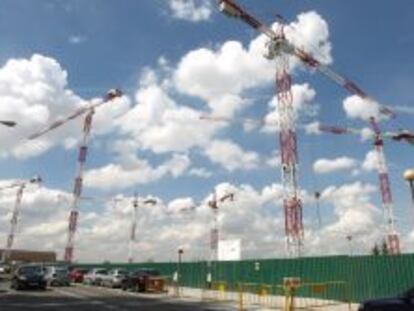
pixel 28 276
pixel 404 302
pixel 76 275
pixel 140 280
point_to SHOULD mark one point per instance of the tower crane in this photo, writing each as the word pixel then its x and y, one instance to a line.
pixel 132 238
pixel 20 185
pixel 214 234
pixel 392 237
pixel 279 48
pixel 83 149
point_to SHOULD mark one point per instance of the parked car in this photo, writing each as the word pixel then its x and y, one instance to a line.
pixel 94 277
pixel 28 276
pixel 4 268
pixel 76 275
pixel 404 302
pixel 57 276
pixel 142 280
pixel 114 278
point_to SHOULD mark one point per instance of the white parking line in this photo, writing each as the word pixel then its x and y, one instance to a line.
pixel 69 294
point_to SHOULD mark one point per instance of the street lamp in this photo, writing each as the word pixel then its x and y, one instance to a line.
pixel 180 258
pixel 409 177
pixel 351 250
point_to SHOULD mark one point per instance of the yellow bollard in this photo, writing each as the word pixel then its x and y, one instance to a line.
pixel 289 298
pixel 241 306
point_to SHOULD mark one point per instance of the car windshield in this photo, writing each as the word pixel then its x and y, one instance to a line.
pixel 31 270
pixel 119 272
pixel 101 272
pixel 61 271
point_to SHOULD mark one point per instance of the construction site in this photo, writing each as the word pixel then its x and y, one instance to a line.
pixel 207 155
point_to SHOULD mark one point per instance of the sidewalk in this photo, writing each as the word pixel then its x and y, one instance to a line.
pixel 231 301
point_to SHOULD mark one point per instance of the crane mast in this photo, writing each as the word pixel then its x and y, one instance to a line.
pixel 13 222
pixel 15 214
pixel 77 188
pixel 78 184
pixel 132 237
pixel 288 145
pixel 393 239
pixel 230 8
pixel 279 50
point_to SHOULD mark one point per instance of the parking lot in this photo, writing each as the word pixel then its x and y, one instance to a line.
pixel 85 298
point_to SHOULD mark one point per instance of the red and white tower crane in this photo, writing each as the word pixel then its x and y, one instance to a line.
pixel 83 149
pixel 279 47
pixel 20 185
pixel 392 238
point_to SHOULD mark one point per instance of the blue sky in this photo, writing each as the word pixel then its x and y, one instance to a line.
pixel 106 44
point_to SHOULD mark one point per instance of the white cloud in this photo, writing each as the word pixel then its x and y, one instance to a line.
pixel 77 39
pixel 115 176
pixel 191 10
pixel 158 123
pixel 274 160
pixel 371 161
pixel 256 217
pixel 311 33
pixel 222 76
pixel 313 128
pixel 303 95
pixel 200 172
pixel 357 107
pixel 231 156
pixel 34 93
pixel 324 166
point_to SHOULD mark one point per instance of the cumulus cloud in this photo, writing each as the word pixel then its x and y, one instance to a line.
pixel 371 161
pixel 221 76
pixel 311 33
pixel 324 166
pixel 200 172
pixel 360 108
pixel 231 156
pixel 116 176
pixel 191 10
pixel 255 215
pixel 34 93
pixel 158 123
pixel 303 95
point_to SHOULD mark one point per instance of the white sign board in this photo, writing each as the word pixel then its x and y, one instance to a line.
pixel 229 250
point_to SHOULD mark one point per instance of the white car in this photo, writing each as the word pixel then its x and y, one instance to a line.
pixel 95 276
pixel 114 278
pixel 5 268
pixel 57 276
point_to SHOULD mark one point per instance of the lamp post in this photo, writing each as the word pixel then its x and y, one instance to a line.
pixel 409 177
pixel 180 258
pixel 351 249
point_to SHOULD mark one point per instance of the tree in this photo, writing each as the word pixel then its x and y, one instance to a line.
pixel 384 248
pixel 375 250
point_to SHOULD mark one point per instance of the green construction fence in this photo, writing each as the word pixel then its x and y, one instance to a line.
pixel 366 277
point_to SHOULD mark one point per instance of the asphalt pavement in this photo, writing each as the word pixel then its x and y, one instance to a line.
pixel 88 298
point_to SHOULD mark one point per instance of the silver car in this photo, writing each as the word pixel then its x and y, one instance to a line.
pixel 114 278
pixel 57 276
pixel 95 276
